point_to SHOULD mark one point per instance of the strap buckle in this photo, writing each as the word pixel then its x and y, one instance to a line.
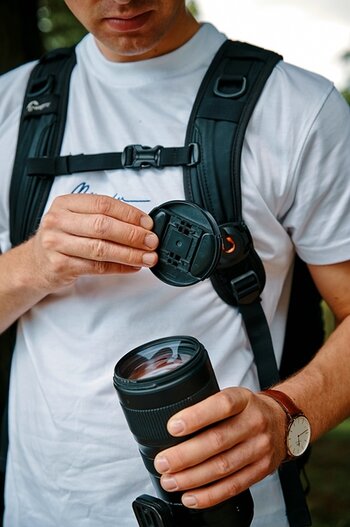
pixel 246 288
pixel 139 156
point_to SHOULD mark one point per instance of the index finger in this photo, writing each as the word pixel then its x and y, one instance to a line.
pixel 105 205
pixel 224 404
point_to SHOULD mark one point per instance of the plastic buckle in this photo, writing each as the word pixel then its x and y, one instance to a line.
pixel 246 288
pixel 138 156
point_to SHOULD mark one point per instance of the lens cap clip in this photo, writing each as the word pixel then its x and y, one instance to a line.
pixel 189 243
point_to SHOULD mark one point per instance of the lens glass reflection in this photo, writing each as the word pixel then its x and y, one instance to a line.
pixel 156 361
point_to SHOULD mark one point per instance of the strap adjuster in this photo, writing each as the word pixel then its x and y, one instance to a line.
pixel 138 156
pixel 194 154
pixel 246 288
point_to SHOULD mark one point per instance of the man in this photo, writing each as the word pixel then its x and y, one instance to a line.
pixel 83 295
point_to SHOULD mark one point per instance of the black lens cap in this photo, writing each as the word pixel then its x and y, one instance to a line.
pixel 189 243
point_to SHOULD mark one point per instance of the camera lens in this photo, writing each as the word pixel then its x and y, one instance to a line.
pixel 162 377
pixel 155 381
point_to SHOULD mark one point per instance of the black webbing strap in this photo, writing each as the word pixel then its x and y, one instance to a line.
pixel 41 129
pixel 258 332
pixel 133 156
pixel 220 116
pixel 41 132
pixel 294 495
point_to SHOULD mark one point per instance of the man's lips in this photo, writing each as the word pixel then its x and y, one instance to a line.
pixel 132 23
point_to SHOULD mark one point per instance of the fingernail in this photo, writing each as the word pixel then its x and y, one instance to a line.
pixel 161 464
pixel 151 240
pixel 146 222
pixel 149 258
pixel 176 427
pixel 189 501
pixel 169 483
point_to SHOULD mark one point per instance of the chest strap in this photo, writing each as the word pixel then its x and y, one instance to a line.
pixel 133 156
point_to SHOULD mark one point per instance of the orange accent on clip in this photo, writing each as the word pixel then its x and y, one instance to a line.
pixel 231 249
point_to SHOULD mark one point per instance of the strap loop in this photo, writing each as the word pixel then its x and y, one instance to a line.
pixel 231 82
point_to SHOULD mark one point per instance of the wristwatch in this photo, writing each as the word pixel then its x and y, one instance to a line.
pixel 298 433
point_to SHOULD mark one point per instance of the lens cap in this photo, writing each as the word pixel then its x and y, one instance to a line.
pixel 189 243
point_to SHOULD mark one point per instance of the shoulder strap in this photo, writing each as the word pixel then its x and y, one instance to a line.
pixel 41 129
pixel 225 102
pixel 41 132
pixel 221 113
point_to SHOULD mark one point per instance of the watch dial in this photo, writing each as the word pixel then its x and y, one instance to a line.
pixel 299 434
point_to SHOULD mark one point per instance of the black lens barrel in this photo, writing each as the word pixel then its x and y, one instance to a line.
pixel 149 403
pixel 178 374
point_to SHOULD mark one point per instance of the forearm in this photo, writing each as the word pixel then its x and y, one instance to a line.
pixel 20 284
pixel 322 388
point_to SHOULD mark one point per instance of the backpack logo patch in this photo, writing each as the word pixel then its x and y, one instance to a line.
pixel 35 106
pixel 40 105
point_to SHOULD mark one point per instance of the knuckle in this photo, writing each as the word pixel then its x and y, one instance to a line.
pixel 48 241
pixel 233 488
pixel 217 437
pixel 100 225
pixel 130 214
pixel 49 220
pixel 260 422
pixel 222 465
pixel 130 258
pixel 98 249
pixel 103 204
pixel 226 401
pixel 58 201
pixel 265 443
pixel 211 499
pixel 134 236
pixel 264 467
pixel 58 264
pixel 100 267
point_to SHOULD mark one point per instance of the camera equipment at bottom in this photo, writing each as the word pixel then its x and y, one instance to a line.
pixel 153 382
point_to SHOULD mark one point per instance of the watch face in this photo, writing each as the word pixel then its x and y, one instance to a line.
pixel 298 437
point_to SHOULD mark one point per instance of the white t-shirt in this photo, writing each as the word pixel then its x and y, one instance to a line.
pixel 72 460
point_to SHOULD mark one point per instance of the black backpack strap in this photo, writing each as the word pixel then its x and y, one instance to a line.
pixel 221 113
pixel 41 129
pixel 218 122
pixel 304 313
pixel 41 132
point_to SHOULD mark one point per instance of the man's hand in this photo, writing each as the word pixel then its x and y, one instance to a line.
pixel 79 235
pixel 239 439
pixel 91 234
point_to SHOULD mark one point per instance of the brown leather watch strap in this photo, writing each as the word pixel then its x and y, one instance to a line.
pixel 284 400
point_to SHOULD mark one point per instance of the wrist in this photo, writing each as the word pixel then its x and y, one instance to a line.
pixel 25 278
pixel 297 426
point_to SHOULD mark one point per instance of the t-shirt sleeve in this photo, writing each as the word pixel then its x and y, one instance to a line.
pixel 319 218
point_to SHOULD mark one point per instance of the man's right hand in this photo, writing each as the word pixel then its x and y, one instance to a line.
pixel 89 235
pixel 79 235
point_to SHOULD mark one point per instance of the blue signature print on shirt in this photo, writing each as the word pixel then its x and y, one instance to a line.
pixel 84 188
